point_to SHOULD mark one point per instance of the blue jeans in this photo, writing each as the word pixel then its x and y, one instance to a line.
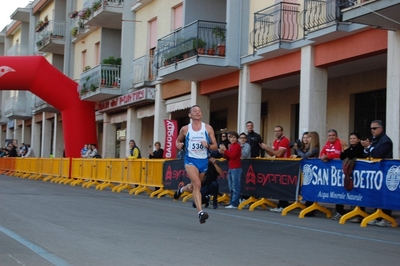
pixel 234 185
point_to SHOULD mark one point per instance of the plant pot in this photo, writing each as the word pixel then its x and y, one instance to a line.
pixel 221 50
pixel 201 50
pixel 211 51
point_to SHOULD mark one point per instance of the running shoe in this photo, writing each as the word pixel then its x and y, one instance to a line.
pixel 203 216
pixel 178 193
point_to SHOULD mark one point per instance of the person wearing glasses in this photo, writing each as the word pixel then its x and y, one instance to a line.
pixel 279 149
pixel 381 146
pixel 246 149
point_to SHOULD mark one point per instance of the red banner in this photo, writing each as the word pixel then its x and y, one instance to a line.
pixel 171 133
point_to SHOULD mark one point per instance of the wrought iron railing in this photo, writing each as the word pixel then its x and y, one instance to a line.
pixel 319 14
pixel 199 37
pixel 275 24
pixel 105 76
pixel 143 69
pixel 54 29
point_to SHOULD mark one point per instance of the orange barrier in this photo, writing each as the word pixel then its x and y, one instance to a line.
pixel 21 167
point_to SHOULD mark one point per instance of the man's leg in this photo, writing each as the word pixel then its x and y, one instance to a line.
pixel 195 177
pixel 214 192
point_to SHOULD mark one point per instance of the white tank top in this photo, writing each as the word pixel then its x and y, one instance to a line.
pixel 193 141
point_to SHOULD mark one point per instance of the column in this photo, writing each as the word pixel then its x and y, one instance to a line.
pixel 202 101
pixel 109 139
pixel 36 137
pixel 249 101
pixel 393 90
pixel 313 94
pixel 58 138
pixel 46 136
pixel 18 133
pixel 160 113
pixel 26 133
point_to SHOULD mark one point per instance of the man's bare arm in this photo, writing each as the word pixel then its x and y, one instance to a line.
pixel 181 138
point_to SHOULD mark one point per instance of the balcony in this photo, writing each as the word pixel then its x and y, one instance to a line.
pixel 194 52
pixel 17 108
pixel 17 49
pixel 143 71
pixel 318 14
pixel 105 13
pixel 380 14
pixel 50 39
pixel 100 83
pixel 39 106
pixel 277 27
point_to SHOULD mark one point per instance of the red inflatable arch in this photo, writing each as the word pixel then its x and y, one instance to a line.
pixel 37 75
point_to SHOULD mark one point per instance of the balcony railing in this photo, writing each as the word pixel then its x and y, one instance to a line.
pixel 143 70
pixel 100 76
pixel 54 30
pixel 17 49
pixel 197 38
pixel 16 108
pixel 275 24
pixel 319 14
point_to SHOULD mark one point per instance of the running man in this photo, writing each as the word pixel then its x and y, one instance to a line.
pixel 197 137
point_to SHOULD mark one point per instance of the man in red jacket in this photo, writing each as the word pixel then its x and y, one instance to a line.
pixel 332 148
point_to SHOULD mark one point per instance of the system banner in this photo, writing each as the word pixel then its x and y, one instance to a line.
pixel 174 173
pixel 260 178
pixel 376 184
pixel 276 179
pixel 171 134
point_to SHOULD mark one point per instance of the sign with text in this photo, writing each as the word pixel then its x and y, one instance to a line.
pixel 376 184
pixel 171 134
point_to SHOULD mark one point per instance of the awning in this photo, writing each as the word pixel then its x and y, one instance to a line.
pixel 179 103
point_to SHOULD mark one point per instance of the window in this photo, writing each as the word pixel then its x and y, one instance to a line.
pixel 84 64
pixel 369 106
pixel 177 13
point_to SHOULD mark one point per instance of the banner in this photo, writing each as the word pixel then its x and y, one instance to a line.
pixel 260 178
pixel 171 134
pixel 276 179
pixel 376 184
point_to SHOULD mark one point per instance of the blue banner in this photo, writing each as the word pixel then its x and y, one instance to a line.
pixel 376 184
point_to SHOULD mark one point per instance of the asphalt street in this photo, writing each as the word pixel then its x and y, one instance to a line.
pixel 43 223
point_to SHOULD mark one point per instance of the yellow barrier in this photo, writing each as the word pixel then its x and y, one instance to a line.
pixel 21 167
pixel 85 168
pixel 76 171
pixel 65 171
pixel 113 175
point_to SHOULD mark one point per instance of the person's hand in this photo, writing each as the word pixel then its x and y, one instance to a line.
pixel 295 146
pixel 264 146
pixel 212 160
pixel 222 147
pixel 179 145
pixel 324 158
pixel 293 156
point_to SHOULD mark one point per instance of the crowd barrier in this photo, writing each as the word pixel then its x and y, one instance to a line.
pixel 376 183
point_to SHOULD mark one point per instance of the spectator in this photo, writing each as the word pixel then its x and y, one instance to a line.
pixel 29 152
pixel 354 151
pixel 301 146
pixel 254 139
pixel 225 139
pixel 246 149
pixel 12 150
pixel 134 152
pixel 210 184
pixel 233 154
pixel 84 150
pixel 94 152
pixel 88 151
pixel 381 146
pixel 158 152
pixel 313 146
pixel 332 148
pixel 280 149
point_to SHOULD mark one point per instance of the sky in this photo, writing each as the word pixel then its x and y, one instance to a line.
pixel 7 9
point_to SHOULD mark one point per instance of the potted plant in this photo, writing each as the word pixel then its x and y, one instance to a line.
pixel 74 31
pixel 211 49
pixel 199 45
pixel 96 5
pixel 219 34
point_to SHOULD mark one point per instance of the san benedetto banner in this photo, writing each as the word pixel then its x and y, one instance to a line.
pixel 376 184
pixel 171 134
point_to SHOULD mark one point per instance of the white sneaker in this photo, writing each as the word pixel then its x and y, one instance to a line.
pixel 337 216
pixel 230 207
pixel 383 223
pixel 278 210
pixel 373 222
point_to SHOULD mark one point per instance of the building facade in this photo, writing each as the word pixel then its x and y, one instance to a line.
pixel 306 65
